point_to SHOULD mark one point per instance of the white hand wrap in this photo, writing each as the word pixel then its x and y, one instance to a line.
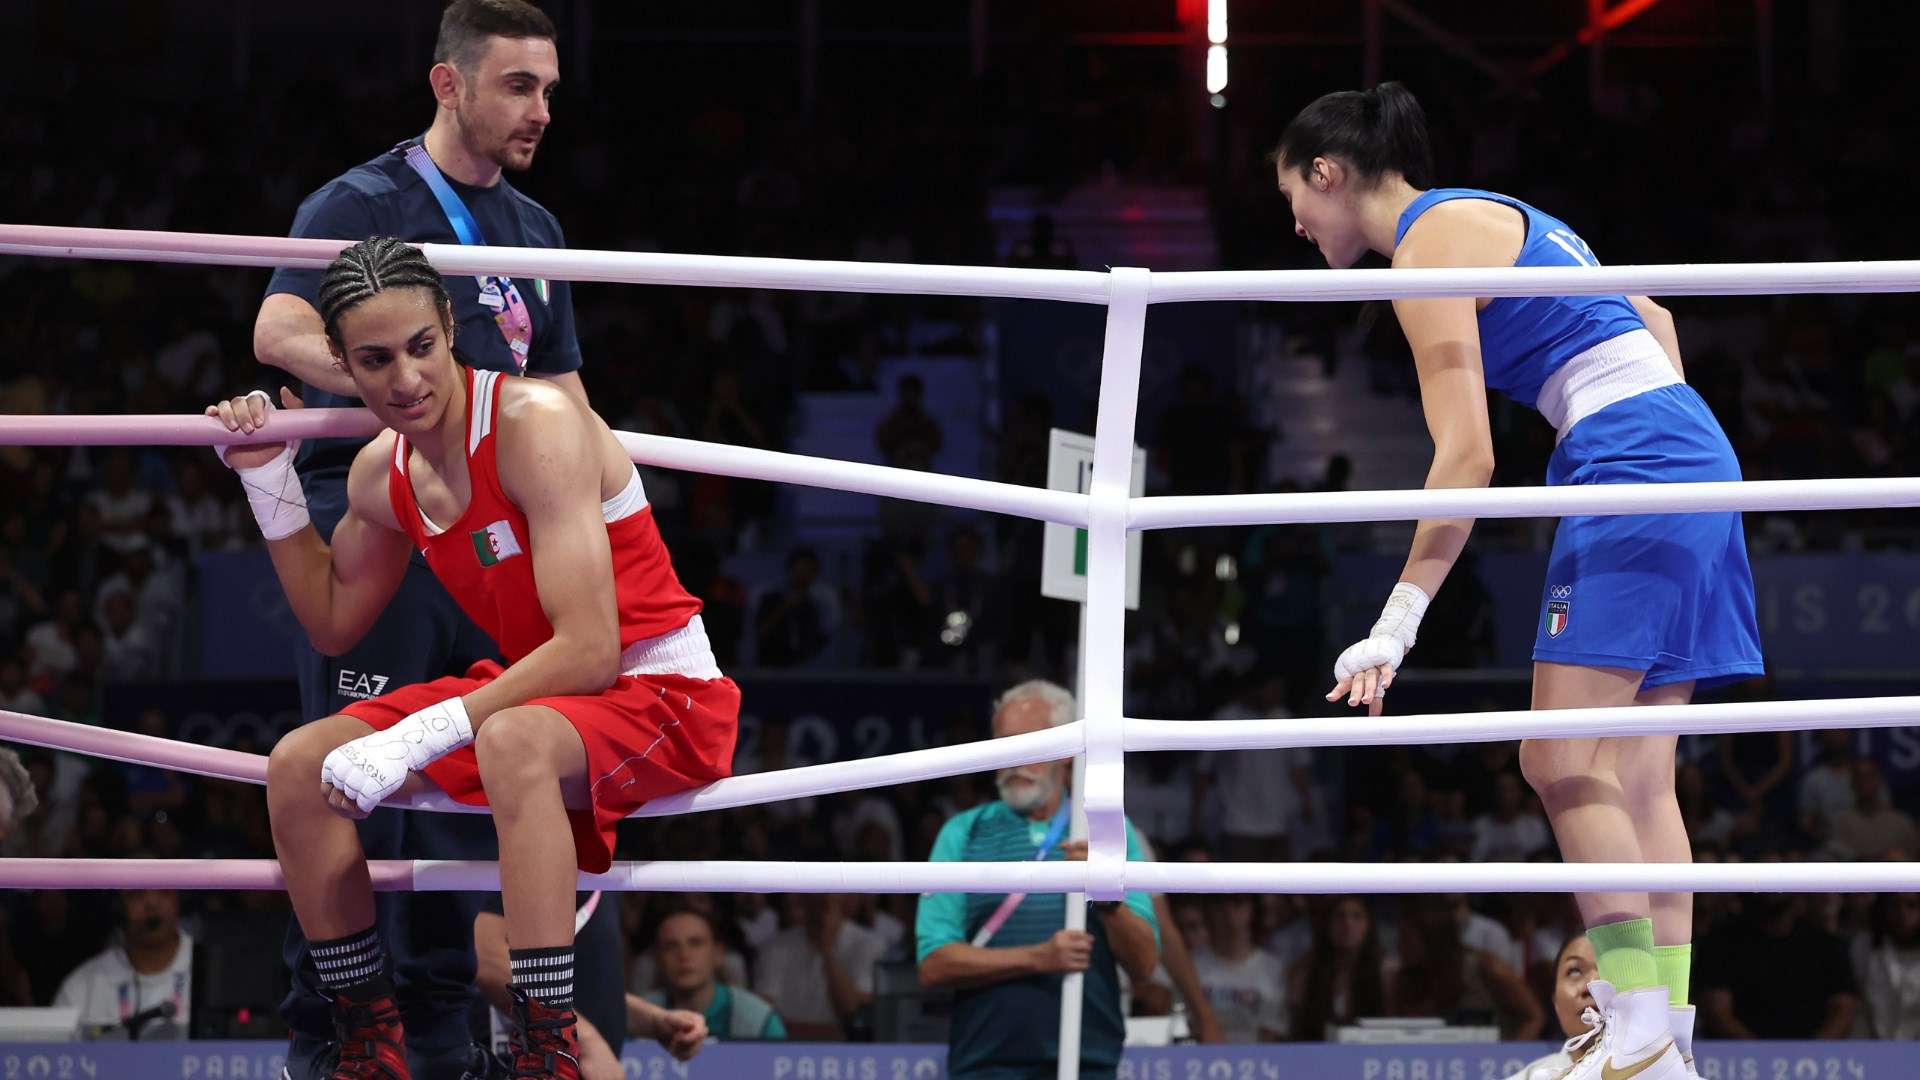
pixel 1387 643
pixel 372 767
pixel 273 489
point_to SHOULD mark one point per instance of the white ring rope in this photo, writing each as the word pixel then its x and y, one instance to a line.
pixel 1320 507
pixel 1720 718
pixel 1696 279
pixel 1108 514
pixel 1076 286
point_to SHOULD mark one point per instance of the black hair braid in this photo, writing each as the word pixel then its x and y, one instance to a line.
pixel 371 266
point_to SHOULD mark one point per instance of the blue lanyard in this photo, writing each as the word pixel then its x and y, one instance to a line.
pixel 1054 830
pixel 458 216
pixel 498 293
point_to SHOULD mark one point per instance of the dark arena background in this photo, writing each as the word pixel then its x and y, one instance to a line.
pixel 137 599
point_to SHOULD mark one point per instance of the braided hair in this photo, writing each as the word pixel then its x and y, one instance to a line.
pixel 371 266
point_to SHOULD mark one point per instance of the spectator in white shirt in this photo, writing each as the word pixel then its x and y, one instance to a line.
pixel 158 591
pixel 190 363
pixel 1246 985
pixel 54 644
pixel 141 984
pixel 1891 971
pixel 1514 829
pixel 122 505
pixel 1255 799
pixel 1871 828
pixel 1827 789
pixel 130 649
pixel 203 520
pixel 1486 934
pixel 818 972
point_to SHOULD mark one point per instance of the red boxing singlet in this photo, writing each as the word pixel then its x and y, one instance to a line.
pixel 667 723
pixel 483 558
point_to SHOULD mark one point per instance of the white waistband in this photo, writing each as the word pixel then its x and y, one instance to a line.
pixel 685 651
pixel 1614 370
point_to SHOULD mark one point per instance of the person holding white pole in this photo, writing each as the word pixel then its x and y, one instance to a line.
pixel 1008 956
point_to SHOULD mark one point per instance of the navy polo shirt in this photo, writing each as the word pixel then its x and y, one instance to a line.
pixel 385 197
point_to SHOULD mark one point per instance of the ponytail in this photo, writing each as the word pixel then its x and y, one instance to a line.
pixel 1372 132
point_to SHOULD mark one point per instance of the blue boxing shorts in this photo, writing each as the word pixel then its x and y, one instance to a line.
pixel 1667 594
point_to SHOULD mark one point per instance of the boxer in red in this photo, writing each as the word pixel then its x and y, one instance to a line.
pixel 528 510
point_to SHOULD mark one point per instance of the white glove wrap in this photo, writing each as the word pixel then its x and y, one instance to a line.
pixel 372 767
pixel 1392 635
pixel 273 489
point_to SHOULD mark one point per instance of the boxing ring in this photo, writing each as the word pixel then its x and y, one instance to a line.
pixel 1101 737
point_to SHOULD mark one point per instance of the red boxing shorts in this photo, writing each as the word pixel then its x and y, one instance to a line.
pixel 645 736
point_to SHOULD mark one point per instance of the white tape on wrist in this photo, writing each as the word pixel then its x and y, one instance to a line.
pixel 273 489
pixel 1400 618
pixel 434 732
pixel 1392 635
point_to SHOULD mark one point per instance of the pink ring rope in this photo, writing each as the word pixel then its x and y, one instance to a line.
pixel 169 429
pixel 249 875
pixel 133 748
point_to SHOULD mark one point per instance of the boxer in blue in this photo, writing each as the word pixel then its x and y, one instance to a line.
pixel 1635 608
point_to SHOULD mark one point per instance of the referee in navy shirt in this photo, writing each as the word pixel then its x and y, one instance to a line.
pixel 494 73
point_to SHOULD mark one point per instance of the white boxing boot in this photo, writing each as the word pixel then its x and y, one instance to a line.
pixel 1636 1040
pixel 1680 1019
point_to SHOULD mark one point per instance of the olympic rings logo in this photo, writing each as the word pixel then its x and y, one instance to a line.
pixel 1560 592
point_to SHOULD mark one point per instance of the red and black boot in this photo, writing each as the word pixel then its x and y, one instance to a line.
pixel 545 1045
pixel 372 1044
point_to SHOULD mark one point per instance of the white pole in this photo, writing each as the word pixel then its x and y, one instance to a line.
pixel 1098 793
pixel 1073 987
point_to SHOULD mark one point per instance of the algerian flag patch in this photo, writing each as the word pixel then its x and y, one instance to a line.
pixel 495 543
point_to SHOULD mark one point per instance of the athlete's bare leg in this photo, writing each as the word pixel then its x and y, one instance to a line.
pixel 320 855
pixel 533 767
pixel 1579 782
pixel 1646 766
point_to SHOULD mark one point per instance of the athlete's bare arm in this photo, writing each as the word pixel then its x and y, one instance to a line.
pixel 553 459
pixel 1445 337
pixel 1660 323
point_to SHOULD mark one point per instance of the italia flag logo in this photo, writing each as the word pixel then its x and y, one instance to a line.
pixel 1556 617
pixel 497 542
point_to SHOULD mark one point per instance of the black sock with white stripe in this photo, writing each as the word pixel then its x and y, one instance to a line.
pixel 355 965
pixel 545 975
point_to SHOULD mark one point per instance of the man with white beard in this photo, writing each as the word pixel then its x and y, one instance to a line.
pixel 1006 968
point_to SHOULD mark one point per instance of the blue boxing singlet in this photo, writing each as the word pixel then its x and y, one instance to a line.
pixel 1525 339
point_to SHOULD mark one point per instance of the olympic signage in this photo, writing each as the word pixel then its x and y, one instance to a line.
pixel 805 1061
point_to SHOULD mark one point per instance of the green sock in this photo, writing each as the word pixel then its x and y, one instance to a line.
pixel 1674 963
pixel 1625 950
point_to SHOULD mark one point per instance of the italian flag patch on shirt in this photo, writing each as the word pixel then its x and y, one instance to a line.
pixel 495 542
